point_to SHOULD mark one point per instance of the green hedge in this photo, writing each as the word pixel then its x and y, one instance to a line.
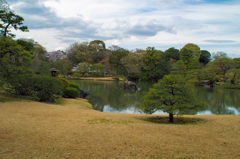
pixel 71 92
pixel 47 88
pixel 21 84
pixel 74 85
pixel 64 82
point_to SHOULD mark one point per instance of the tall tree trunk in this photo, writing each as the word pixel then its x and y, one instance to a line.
pixel 171 117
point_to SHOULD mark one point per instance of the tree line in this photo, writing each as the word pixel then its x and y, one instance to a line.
pixel 175 69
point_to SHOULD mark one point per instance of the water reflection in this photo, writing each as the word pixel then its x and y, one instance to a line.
pixel 108 96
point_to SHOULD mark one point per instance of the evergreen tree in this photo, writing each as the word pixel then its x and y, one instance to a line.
pixel 193 64
pixel 179 68
pixel 205 57
pixel 172 94
pixel 185 55
pixel 14 60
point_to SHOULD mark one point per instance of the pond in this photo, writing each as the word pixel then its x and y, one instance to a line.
pixel 108 96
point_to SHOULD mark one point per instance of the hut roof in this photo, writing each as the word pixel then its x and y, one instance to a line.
pixel 53 69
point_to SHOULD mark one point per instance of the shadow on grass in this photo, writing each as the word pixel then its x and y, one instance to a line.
pixel 108 121
pixel 8 97
pixel 176 120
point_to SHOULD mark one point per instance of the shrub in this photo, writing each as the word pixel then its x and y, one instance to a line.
pixel 74 85
pixel 71 92
pixel 70 73
pixel 64 82
pixel 47 88
pixel 21 84
pixel 76 75
pixel 1 84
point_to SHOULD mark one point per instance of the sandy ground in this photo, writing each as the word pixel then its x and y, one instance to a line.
pixel 75 130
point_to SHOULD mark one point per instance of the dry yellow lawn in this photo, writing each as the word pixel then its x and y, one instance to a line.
pixel 74 130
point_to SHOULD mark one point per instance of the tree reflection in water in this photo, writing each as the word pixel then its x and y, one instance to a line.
pixel 110 97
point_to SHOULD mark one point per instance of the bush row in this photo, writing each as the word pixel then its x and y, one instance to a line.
pixel 45 88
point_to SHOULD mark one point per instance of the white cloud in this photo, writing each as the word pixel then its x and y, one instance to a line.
pixel 133 24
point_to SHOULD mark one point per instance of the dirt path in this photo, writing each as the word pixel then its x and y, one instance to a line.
pixel 75 130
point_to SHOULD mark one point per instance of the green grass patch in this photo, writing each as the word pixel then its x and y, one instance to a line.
pixel 108 121
pixel 176 120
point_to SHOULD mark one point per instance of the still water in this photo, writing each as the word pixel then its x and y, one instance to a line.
pixel 108 96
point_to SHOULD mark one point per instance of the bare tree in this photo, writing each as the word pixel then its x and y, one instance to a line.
pixel 219 54
pixel 71 49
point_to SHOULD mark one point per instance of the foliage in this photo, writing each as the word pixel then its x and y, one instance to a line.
pixel 63 66
pixel 71 50
pixel 64 82
pixel 172 53
pixel 107 66
pixel 13 59
pixel 36 65
pixel 115 60
pixel 98 51
pixel 47 88
pixel 27 44
pixel 114 47
pixel 11 20
pixel 81 53
pixel 172 94
pixel 2 83
pixel 194 48
pixel 83 67
pixel 205 57
pixel 219 54
pixel 74 85
pixel 237 62
pixel 44 68
pixel 221 65
pixel 71 92
pixel 194 76
pixel 97 69
pixel 38 50
pixel 77 75
pixel 179 68
pixel 22 85
pixel 133 63
pixel 185 55
pixel 153 68
pixel 100 43
pixel 233 75
pixel 70 72
pixel 92 52
pixel 193 64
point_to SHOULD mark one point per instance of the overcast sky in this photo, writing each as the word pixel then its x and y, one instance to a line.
pixel 213 25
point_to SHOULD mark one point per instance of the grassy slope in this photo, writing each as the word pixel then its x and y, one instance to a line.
pixel 75 130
